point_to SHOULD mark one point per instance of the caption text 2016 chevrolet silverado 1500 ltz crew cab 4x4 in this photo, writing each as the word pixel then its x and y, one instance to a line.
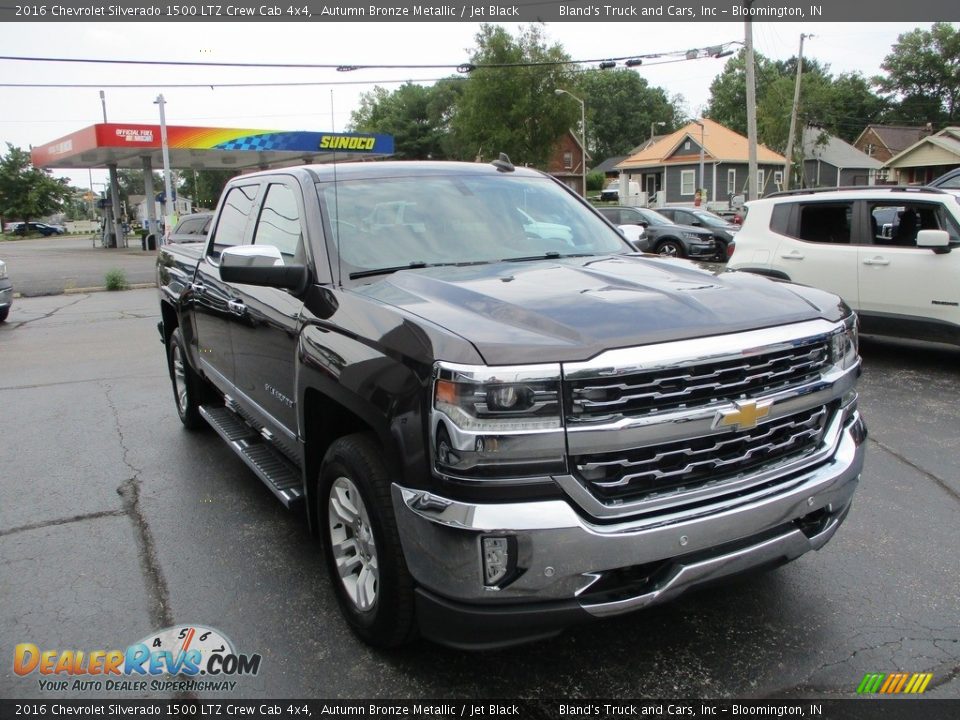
pixel 499 431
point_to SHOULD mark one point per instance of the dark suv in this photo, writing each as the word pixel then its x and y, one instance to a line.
pixel 663 236
pixel 723 231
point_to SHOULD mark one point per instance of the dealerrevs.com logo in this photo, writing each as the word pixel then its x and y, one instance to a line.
pixel 200 657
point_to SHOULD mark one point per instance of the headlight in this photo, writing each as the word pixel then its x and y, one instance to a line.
pixel 497 421
pixel 844 344
pixel 697 238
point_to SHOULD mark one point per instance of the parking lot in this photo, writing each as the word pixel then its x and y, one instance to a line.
pixel 116 522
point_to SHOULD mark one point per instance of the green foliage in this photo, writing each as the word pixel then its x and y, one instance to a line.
pixel 115 279
pixel 201 186
pixel 514 109
pixel 418 117
pixel 621 105
pixel 596 181
pixel 26 192
pixel 923 75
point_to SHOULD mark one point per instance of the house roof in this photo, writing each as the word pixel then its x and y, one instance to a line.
pixel 835 151
pixel 896 137
pixel 720 144
pixel 947 140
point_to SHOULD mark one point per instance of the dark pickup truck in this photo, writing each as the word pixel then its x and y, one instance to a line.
pixel 500 419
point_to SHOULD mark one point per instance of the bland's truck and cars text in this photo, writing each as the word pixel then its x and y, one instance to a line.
pixel 500 419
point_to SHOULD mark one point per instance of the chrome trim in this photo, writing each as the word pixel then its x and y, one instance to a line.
pixel 684 353
pixel 441 537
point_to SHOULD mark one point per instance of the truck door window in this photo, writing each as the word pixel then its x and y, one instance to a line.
pixel 279 223
pixel 898 225
pixel 233 218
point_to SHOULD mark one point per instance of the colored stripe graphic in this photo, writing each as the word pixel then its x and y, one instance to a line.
pixel 894 683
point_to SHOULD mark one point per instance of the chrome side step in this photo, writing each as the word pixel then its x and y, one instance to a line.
pixel 268 464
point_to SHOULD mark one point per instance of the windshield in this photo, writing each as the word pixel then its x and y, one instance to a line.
pixel 392 223
pixel 710 219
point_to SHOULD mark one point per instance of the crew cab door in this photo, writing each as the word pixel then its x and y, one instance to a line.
pixel 267 319
pixel 214 308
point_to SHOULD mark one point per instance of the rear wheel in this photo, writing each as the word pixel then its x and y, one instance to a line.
pixel 670 248
pixel 187 385
pixel 4 313
pixel 361 542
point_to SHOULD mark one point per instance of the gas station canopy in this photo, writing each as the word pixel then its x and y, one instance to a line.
pixel 204 148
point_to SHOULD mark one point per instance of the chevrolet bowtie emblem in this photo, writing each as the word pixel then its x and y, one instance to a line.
pixel 744 417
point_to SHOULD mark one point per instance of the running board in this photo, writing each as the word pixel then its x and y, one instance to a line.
pixel 267 463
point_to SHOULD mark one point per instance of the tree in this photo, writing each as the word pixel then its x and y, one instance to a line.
pixel 27 192
pixel 621 105
pixel 417 117
pixel 923 75
pixel 513 108
pixel 201 186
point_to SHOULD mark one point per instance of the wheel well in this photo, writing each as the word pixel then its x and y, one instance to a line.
pixel 325 420
pixel 170 320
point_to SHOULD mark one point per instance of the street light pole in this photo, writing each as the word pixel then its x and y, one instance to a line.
pixel 168 193
pixel 700 182
pixel 583 136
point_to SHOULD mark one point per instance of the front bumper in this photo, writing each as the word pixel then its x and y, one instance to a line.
pixel 699 249
pixel 568 567
pixel 6 294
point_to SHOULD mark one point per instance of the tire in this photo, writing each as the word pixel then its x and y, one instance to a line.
pixel 372 583
pixel 187 385
pixel 4 313
pixel 671 248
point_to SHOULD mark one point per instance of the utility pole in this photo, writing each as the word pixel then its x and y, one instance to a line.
pixel 168 207
pixel 793 115
pixel 114 225
pixel 751 106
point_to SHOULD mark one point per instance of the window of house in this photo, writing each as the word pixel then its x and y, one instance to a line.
pixel 731 182
pixel 760 179
pixel 687 182
pixel 568 160
pixel 778 179
pixel 686 145
pixel 279 222
pixel 870 149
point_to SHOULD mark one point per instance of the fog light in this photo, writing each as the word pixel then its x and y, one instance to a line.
pixel 496 559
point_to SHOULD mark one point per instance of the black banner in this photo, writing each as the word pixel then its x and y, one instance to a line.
pixel 878 708
pixel 502 11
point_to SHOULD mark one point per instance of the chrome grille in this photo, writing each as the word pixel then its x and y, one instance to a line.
pixel 693 463
pixel 695 385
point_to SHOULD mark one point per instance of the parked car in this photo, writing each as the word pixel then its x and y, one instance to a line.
pixel 45 229
pixel 10 228
pixel 663 236
pixel 723 230
pixel 887 251
pixel 611 193
pixel 6 292
pixel 192 228
pixel 948 181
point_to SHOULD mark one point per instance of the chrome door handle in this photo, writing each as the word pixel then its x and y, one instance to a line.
pixel 792 256
pixel 876 261
pixel 236 307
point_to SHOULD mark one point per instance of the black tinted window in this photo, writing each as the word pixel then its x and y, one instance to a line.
pixel 826 222
pixel 279 222
pixel 780 218
pixel 233 216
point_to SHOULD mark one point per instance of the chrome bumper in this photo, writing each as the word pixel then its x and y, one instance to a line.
pixel 560 554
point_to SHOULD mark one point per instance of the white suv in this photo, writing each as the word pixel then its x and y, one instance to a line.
pixel 885 250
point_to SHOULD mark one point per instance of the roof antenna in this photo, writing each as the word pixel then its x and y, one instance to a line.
pixel 503 164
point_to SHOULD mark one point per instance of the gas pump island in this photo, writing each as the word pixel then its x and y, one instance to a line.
pixel 136 146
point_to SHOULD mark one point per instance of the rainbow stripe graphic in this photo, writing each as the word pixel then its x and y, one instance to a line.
pixel 894 683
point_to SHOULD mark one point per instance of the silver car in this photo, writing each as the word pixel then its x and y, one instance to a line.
pixel 6 292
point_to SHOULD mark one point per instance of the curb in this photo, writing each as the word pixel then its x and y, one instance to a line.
pixel 100 288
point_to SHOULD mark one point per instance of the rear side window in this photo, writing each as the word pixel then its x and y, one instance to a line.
pixel 825 223
pixel 233 216
pixel 780 218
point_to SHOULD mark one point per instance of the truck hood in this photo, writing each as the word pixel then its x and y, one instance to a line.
pixel 573 309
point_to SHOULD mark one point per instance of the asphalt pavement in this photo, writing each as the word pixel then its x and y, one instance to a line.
pixel 116 522
pixel 53 265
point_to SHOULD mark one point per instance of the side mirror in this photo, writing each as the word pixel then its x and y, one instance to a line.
pixel 936 240
pixel 643 224
pixel 261 265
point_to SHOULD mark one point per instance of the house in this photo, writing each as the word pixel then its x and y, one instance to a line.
pixel 669 168
pixel 609 166
pixel 137 207
pixel 566 162
pixel 882 142
pixel 926 159
pixel 828 161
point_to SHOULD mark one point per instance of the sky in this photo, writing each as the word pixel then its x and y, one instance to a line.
pixel 34 116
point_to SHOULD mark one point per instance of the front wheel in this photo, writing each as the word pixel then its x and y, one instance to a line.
pixel 670 248
pixel 187 385
pixel 361 542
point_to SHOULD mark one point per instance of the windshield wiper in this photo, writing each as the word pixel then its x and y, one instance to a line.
pixel 551 255
pixel 416 265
